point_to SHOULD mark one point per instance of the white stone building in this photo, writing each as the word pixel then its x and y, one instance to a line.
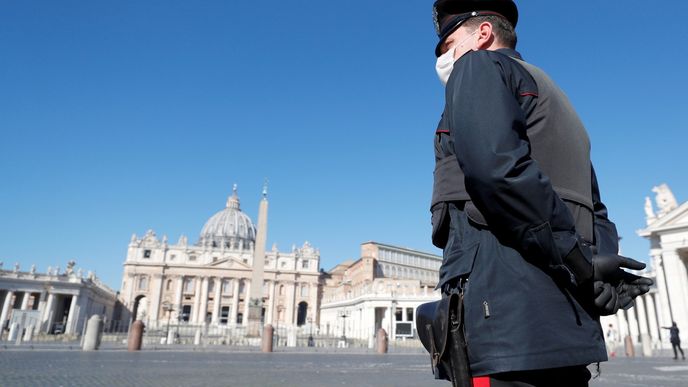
pixel 667 231
pixel 382 289
pixel 210 281
pixel 52 302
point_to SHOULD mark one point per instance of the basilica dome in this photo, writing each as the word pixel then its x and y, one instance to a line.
pixel 229 228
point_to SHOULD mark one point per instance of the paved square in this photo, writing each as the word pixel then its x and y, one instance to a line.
pixel 283 369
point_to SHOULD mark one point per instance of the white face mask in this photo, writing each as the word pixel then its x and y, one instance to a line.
pixel 445 62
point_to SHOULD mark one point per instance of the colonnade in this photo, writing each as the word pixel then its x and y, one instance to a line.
pixel 45 303
pixel 643 322
pixel 208 300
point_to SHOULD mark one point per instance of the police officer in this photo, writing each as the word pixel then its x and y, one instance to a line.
pixel 516 209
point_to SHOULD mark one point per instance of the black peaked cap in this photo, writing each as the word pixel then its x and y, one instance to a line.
pixel 448 15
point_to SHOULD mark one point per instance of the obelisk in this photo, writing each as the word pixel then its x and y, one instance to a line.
pixel 255 308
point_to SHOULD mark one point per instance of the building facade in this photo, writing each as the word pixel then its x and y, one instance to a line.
pixel 667 230
pixel 210 282
pixel 382 289
pixel 52 302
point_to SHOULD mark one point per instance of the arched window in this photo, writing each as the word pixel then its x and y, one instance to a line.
pixel 169 285
pixel 281 290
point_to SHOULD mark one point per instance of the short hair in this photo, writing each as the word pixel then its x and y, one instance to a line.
pixel 503 30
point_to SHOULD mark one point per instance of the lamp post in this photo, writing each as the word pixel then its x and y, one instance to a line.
pixel 344 314
pixel 167 307
pixel 311 342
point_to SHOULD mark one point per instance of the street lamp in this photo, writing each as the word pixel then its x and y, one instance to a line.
pixel 167 307
pixel 344 314
pixel 311 342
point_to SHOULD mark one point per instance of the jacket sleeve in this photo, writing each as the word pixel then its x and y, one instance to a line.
pixel 503 181
pixel 606 236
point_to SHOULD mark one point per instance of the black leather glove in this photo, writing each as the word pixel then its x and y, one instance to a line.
pixel 630 287
pixel 609 267
pixel 607 299
pixel 614 287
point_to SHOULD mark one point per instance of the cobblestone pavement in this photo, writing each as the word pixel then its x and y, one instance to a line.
pixel 650 372
pixel 221 368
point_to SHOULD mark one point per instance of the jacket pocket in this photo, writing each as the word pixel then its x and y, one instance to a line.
pixel 462 244
pixel 440 224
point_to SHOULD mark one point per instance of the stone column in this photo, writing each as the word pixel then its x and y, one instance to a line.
pixel 391 322
pixel 313 303
pixel 132 283
pixel 291 293
pixel 235 302
pixel 677 272
pixel 178 296
pixel 217 300
pixel 633 324
pixel 645 340
pixel 47 315
pixel 203 311
pixel 43 298
pixel 73 314
pixel 197 300
pixel 25 300
pixel 156 287
pixel 271 303
pixel 663 304
pixel 622 324
pixel 247 301
pixel 652 317
pixel 6 308
pixel 641 316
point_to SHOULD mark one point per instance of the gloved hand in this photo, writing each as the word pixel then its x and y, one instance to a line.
pixel 609 267
pixel 607 299
pixel 630 287
pixel 614 287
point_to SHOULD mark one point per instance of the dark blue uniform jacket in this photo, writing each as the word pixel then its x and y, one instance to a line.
pixel 526 306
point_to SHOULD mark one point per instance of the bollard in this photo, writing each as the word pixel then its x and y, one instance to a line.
pixel 197 337
pixel 646 343
pixel 266 342
pixel 135 336
pixel 628 343
pixel 94 328
pixel 382 341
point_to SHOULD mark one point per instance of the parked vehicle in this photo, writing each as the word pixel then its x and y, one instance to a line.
pixel 58 328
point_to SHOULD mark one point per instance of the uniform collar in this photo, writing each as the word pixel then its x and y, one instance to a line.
pixel 510 52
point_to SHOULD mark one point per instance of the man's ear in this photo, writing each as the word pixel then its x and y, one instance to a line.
pixel 485 35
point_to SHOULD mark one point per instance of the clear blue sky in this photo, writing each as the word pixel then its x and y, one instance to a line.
pixel 122 116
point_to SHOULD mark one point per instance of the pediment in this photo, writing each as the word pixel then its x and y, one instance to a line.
pixel 676 218
pixel 683 219
pixel 228 262
pixel 220 262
